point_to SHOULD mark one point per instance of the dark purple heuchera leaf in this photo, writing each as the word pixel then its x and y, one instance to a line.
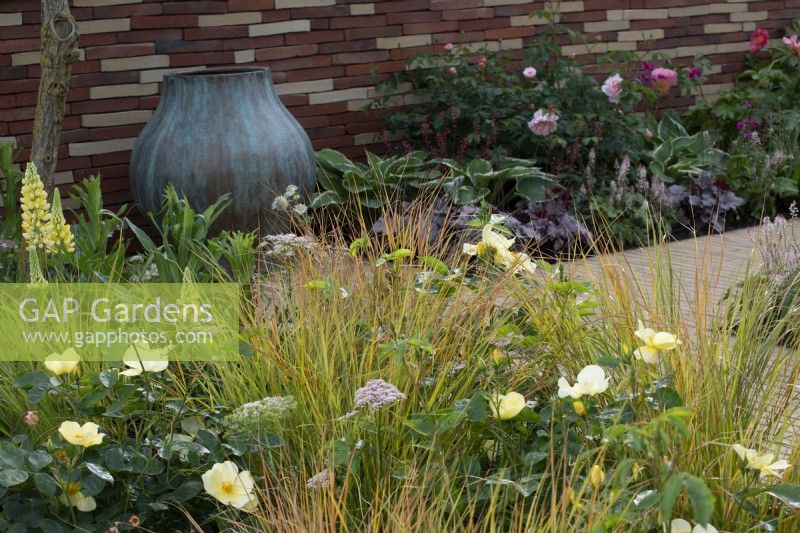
pixel 708 199
pixel 543 224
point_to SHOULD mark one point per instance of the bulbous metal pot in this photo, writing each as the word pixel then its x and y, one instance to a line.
pixel 222 131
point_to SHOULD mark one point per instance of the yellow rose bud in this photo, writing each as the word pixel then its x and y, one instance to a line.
pixel 580 409
pixel 597 476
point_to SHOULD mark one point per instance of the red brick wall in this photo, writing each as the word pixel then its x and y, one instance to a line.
pixel 321 53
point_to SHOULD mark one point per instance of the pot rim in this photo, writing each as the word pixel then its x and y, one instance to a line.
pixel 230 71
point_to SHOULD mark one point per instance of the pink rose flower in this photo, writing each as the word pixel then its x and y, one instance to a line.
pixel 543 122
pixel 448 47
pixel 31 418
pixel 529 73
pixel 482 61
pixel 612 88
pixel 758 40
pixel 792 43
pixel 664 78
pixel 452 70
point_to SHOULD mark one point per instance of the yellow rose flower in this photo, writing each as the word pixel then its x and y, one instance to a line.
pixel 142 358
pixel 765 464
pixel 85 435
pixel 655 342
pixel 231 487
pixel 62 363
pixel 507 406
pixel 494 246
pixel 73 497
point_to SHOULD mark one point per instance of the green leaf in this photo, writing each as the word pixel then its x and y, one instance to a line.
pixel 645 500
pixel 435 264
pixel 46 484
pixel 336 160
pixel 39 459
pixel 186 491
pixel 700 496
pixel 12 476
pixel 109 377
pixel 669 495
pixel 788 494
pixel 534 188
pixel 12 456
pixel 325 198
pixel 100 472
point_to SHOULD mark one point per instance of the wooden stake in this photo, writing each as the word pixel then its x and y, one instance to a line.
pixel 59 52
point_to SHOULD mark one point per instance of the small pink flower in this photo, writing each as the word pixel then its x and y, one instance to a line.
pixel 482 61
pixel 758 40
pixel 529 73
pixel 543 122
pixel 648 133
pixel 664 78
pixel 448 47
pixel 792 43
pixel 452 70
pixel 612 88
pixel 31 418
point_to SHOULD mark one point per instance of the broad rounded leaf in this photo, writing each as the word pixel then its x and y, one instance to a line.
pixel 12 476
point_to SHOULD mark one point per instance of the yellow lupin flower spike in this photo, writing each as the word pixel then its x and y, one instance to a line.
pixel 61 236
pixel 37 226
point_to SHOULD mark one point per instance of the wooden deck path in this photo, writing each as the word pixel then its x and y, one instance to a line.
pixel 703 269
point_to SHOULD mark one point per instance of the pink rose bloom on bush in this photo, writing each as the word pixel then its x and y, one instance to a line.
pixel 612 88
pixel 452 70
pixel 543 122
pixel 529 73
pixel 664 78
pixel 758 40
pixel 448 47
pixel 793 43
pixel 482 61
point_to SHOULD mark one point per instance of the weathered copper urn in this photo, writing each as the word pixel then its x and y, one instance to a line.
pixel 222 131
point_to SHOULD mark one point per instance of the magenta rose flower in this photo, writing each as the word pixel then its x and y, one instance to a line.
pixel 612 88
pixel 543 122
pixel 529 73
pixel 758 40
pixel 664 78
pixel 792 43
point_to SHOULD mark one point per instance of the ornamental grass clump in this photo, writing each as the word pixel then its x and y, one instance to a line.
pixel 486 399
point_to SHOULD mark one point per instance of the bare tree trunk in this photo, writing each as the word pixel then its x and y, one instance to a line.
pixel 59 52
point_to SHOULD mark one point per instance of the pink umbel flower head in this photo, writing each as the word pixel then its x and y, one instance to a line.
pixel 793 43
pixel 664 78
pixel 543 122
pixel 448 47
pixel 529 72
pixel 612 88
pixel 758 40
